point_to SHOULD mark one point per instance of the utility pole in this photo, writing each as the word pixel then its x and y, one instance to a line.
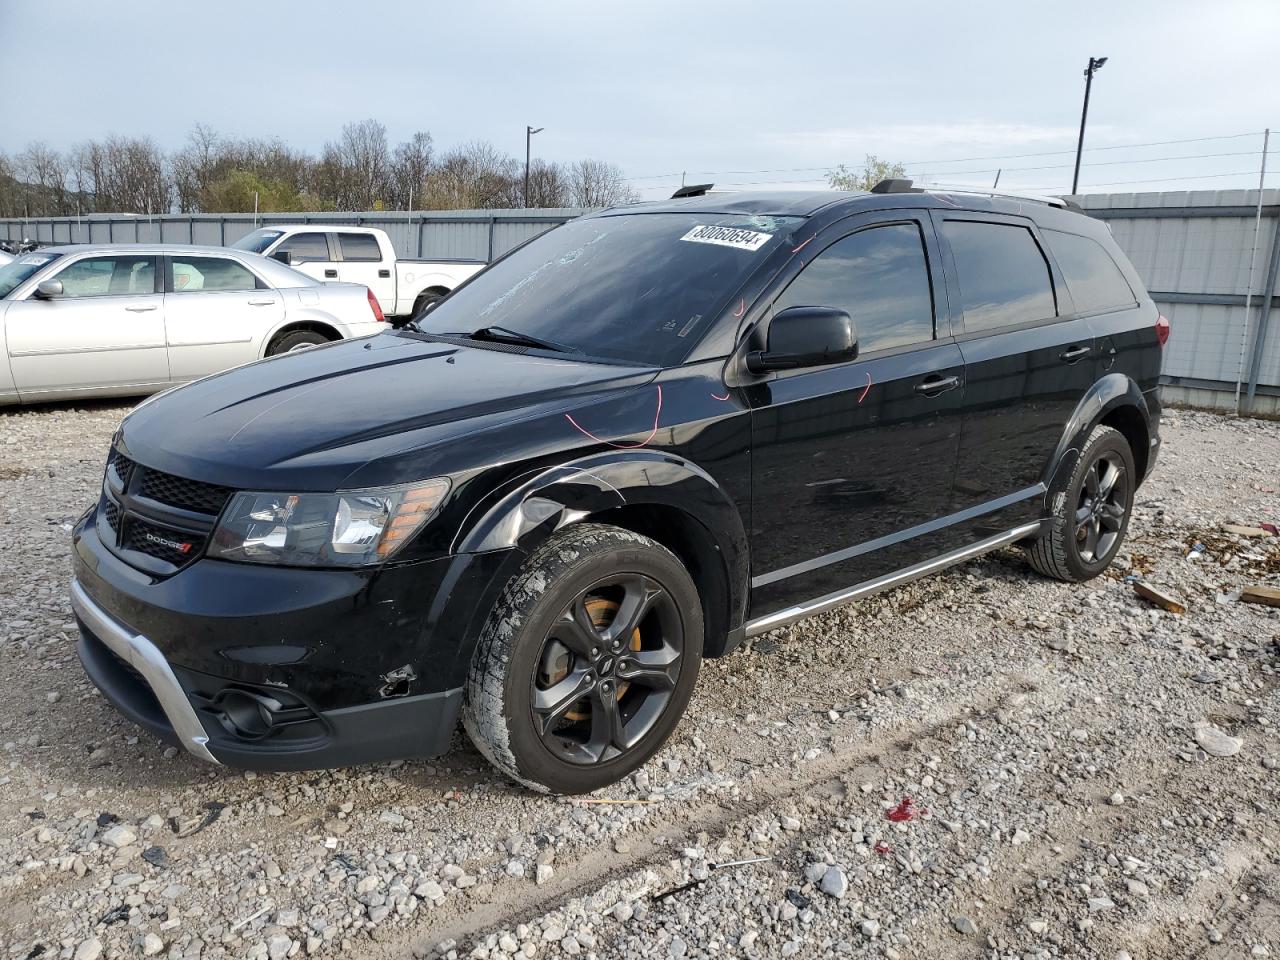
pixel 528 137
pixel 1095 64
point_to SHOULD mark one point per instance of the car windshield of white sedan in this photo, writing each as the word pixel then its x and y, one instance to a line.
pixel 12 275
pixel 258 241
pixel 635 288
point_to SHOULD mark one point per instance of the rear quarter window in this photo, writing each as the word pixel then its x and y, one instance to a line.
pixel 1004 277
pixel 1093 277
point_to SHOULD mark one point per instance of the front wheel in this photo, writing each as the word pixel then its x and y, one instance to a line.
pixel 1091 514
pixel 587 663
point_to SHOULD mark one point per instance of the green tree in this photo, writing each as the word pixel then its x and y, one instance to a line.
pixel 873 171
pixel 234 193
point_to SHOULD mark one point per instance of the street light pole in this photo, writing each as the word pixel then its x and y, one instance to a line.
pixel 528 136
pixel 1095 64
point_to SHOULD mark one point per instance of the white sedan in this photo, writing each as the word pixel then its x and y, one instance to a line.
pixel 127 320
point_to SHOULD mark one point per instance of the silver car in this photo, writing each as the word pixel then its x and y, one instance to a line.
pixel 126 320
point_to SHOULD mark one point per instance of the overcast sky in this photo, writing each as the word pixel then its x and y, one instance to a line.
pixel 739 93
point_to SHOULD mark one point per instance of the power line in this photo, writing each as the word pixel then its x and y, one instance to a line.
pixel 919 163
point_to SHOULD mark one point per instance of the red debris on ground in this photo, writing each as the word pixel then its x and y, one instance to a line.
pixel 906 810
pixel 883 849
pixel 1270 528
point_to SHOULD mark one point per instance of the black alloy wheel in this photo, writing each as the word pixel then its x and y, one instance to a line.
pixel 1103 504
pixel 1089 515
pixel 607 669
pixel 587 662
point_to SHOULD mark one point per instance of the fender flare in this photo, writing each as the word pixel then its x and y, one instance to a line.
pixel 524 514
pixel 1111 391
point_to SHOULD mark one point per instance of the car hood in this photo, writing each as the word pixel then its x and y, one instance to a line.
pixel 381 410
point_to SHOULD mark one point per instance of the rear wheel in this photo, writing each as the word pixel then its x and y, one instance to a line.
pixel 1091 514
pixel 587 663
pixel 296 340
pixel 424 301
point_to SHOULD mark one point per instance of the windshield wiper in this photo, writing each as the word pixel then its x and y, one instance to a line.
pixel 507 335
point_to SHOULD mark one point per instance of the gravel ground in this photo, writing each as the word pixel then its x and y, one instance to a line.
pixel 985 763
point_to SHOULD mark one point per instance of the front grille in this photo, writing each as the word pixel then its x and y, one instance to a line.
pixel 187 494
pixel 171 546
pixel 145 534
pixel 113 516
pixel 121 467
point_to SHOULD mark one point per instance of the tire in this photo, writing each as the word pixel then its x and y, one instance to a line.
pixel 1090 515
pixel 297 340
pixel 539 708
pixel 425 300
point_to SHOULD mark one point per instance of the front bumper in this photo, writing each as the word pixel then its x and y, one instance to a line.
pixel 134 675
pixel 176 718
pixel 276 668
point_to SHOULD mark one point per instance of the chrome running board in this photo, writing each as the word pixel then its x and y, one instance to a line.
pixel 865 589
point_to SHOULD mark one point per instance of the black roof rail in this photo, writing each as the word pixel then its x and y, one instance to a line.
pixel 693 190
pixel 894 186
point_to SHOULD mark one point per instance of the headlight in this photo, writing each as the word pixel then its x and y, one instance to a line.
pixel 325 529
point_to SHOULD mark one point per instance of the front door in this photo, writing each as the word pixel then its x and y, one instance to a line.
pixel 362 263
pixel 852 464
pixel 105 333
pixel 1028 361
pixel 216 312
pixel 310 253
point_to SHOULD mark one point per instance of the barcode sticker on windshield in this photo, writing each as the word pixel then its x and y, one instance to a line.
pixel 35 261
pixel 728 237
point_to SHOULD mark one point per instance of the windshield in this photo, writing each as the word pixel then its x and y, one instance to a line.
pixel 258 241
pixel 13 274
pixel 637 288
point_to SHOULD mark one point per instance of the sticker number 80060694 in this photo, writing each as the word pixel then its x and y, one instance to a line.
pixel 734 237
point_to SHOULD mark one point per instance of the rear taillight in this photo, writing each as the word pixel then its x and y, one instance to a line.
pixel 1162 329
pixel 377 310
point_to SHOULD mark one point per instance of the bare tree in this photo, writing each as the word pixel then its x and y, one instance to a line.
pixel 44 171
pixel 598 183
pixel 410 165
pixel 473 176
pixel 357 167
pixel 549 185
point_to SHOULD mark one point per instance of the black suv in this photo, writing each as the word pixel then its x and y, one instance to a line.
pixel 625 446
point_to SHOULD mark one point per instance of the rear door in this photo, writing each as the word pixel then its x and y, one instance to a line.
pixel 312 253
pixel 852 464
pixel 1028 360
pixel 106 331
pixel 216 313
pixel 362 262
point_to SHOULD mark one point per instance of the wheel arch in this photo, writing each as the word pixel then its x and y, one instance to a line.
pixel 1115 401
pixel 664 497
pixel 313 326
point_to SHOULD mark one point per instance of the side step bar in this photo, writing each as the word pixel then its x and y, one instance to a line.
pixel 821 605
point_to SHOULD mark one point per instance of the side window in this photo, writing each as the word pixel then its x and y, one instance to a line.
pixel 879 277
pixel 359 247
pixel 1004 278
pixel 1095 282
pixel 210 273
pixel 109 276
pixel 307 247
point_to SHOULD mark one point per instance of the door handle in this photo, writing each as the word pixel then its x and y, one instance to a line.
pixel 933 385
pixel 331 273
pixel 1074 354
pixel 384 273
pixel 140 309
pixel 262 303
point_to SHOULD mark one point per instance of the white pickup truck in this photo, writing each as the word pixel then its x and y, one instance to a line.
pixel 404 288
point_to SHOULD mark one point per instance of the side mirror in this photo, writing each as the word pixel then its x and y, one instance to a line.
pixel 806 337
pixel 284 256
pixel 48 289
